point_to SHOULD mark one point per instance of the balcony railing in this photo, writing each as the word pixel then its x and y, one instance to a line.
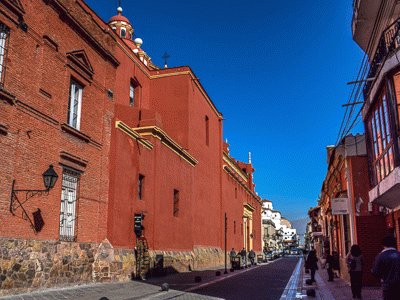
pixel 389 41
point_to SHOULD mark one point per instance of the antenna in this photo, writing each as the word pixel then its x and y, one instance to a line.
pixel 249 157
pixel 119 3
pixel 165 57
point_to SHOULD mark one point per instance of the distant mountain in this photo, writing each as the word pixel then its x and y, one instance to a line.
pixel 300 226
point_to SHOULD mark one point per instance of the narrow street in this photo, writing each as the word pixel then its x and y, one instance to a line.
pixel 267 281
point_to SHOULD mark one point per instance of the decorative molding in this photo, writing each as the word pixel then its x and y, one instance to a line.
pixel 167 141
pixel 3 129
pixel 234 166
pixel 74 132
pixel 15 10
pixel 133 134
pixel 44 93
pixel 77 26
pixel 73 161
pixel 50 42
pixel 79 61
pixel 235 177
pixel 7 96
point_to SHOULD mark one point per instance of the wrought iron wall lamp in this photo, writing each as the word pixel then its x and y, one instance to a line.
pixel 49 179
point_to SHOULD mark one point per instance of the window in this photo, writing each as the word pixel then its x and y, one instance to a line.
pixel 234 227
pixel 3 41
pixel 381 139
pixel 207 131
pixel 235 192
pixel 176 203
pixel 123 32
pixel 69 196
pixel 140 186
pixel 75 105
pixel 131 94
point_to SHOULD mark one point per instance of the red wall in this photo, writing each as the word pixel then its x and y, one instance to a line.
pixel 110 161
pixel 38 77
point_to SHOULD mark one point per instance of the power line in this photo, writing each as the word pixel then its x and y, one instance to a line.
pixel 359 83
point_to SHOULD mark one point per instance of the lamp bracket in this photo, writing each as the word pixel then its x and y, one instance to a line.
pixel 15 203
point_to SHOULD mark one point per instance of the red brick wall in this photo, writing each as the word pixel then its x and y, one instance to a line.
pixel 37 75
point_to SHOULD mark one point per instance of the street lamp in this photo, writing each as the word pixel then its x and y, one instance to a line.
pixel 50 178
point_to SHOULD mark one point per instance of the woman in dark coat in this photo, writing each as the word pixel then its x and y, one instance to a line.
pixel 355 264
pixel 311 263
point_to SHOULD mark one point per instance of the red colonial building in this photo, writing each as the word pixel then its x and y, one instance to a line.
pixel 126 139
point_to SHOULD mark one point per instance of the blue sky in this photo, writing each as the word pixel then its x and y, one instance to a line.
pixel 277 70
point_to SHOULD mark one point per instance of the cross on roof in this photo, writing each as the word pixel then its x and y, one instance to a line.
pixel 165 57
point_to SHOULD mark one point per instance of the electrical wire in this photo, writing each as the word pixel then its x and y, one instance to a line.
pixel 357 91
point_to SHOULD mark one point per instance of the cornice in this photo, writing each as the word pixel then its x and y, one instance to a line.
pixel 234 166
pixel 234 176
pixel 167 141
pixel 133 134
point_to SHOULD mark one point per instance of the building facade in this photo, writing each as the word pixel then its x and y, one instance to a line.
pixel 344 216
pixel 137 149
pixel 376 30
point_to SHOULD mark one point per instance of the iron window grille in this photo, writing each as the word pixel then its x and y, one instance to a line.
pixel 4 33
pixel 68 211
pixel 75 104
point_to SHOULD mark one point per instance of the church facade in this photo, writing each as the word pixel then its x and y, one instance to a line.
pixel 138 151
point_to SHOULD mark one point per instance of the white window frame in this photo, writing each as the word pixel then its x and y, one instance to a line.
pixel 131 94
pixel 75 104
pixel 68 210
pixel 3 40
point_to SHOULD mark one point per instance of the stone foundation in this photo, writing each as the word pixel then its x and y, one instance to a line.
pixel 200 258
pixel 27 265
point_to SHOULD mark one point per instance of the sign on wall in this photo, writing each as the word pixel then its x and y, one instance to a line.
pixel 340 206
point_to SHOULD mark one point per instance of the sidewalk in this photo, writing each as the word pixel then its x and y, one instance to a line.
pixel 180 284
pixel 336 290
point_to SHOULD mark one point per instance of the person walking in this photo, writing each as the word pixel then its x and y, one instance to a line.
pixel 243 256
pixel 232 255
pixel 329 265
pixel 252 256
pixel 387 268
pixel 355 263
pixel 311 263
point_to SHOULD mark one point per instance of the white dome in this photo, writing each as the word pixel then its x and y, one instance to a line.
pixel 119 9
pixel 138 41
pixel 135 51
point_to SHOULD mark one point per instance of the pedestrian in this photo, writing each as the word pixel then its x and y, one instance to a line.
pixel 243 256
pixel 355 263
pixel 329 265
pixel 311 263
pixel 387 268
pixel 252 256
pixel 232 255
